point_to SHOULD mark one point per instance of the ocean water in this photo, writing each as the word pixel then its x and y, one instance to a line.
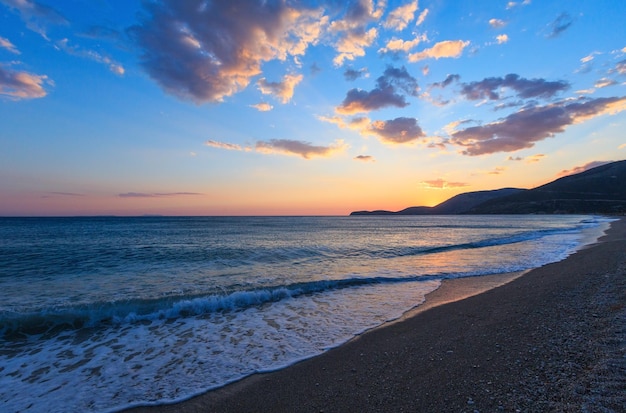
pixel 100 314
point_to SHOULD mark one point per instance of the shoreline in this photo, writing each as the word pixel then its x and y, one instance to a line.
pixel 475 344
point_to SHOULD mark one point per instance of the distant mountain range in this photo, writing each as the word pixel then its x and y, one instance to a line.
pixel 601 190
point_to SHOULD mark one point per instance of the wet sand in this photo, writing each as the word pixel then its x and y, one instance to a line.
pixel 553 339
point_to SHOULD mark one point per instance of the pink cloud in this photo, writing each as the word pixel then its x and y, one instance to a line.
pixel 22 85
pixel 223 145
pixel 299 148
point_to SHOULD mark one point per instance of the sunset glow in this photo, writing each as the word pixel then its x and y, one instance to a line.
pixel 245 107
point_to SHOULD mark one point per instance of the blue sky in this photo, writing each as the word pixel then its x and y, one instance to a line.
pixel 287 108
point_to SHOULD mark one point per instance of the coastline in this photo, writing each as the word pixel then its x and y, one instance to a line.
pixel 550 340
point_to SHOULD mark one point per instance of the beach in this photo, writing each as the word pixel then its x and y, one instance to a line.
pixel 550 340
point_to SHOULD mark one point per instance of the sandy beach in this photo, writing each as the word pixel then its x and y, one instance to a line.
pixel 552 339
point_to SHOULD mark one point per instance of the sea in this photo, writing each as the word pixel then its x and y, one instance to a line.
pixel 98 314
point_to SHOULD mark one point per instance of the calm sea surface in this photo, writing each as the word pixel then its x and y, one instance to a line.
pixel 98 314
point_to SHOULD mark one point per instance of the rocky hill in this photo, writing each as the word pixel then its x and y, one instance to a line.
pixel 598 190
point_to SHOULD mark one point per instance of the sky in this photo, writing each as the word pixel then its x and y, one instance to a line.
pixel 245 107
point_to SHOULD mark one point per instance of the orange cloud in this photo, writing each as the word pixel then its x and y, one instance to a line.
pixel 445 49
pixel 282 90
pixel 502 38
pixel 399 45
pixel 262 107
pixel 400 17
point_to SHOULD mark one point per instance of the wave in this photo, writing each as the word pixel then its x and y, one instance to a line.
pixel 54 320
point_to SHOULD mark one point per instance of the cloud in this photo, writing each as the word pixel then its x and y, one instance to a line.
pixel 497 23
pixel 299 148
pixel 583 168
pixel 513 4
pixel 364 158
pixel 589 57
pixel 282 90
pixel 262 107
pixel 535 158
pixel 22 85
pixel 422 17
pixel 7 45
pixel 522 129
pixel 620 67
pixel 443 184
pixel 446 82
pixel 398 19
pixel 560 24
pixel 497 170
pixel 35 15
pixel 353 74
pixel 525 88
pixel 397 131
pixel 113 66
pixel 604 82
pixel 66 193
pixel 352 33
pixel 502 38
pixel 399 45
pixel 384 95
pixel 223 145
pixel 205 51
pixel 445 49
pixel 155 194
pixel 353 44
pixel 101 32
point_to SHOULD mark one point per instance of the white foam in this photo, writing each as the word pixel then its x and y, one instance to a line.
pixel 163 361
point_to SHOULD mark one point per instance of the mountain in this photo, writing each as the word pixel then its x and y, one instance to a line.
pixel 458 204
pixel 598 190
